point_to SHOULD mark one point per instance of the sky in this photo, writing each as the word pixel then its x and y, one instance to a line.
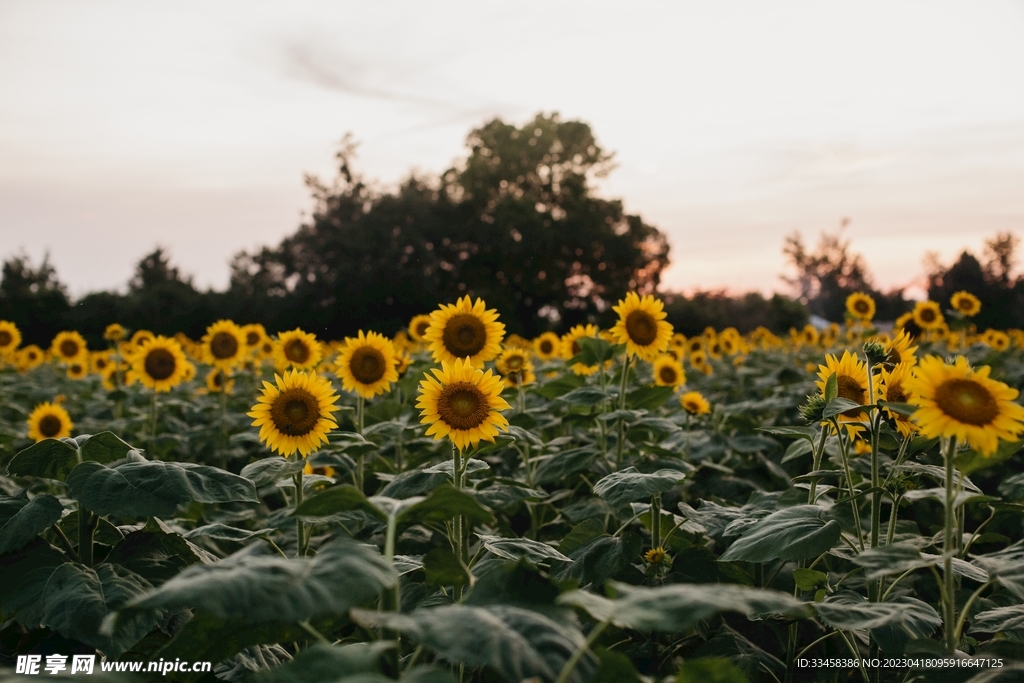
pixel 191 125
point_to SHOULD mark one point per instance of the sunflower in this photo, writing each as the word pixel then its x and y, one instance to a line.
pixel 668 372
pixel 223 344
pixel 514 341
pixel 418 327
pixel 464 330
pixel 297 349
pixel 860 306
pixel 402 362
pixel 999 341
pixel 892 388
pixel 141 336
pixel 570 346
pixel 190 372
pixel 99 361
pixel 641 326
pixel 115 332
pixel 851 381
pixel 698 359
pixel 965 304
pixel 927 315
pixel 512 360
pixel 696 344
pixel 366 366
pixel 958 401
pixel 49 421
pixel 266 349
pixel 462 403
pixel 68 346
pixel 30 357
pixel 10 338
pixel 159 364
pixel 78 368
pixel 523 377
pixel 254 335
pixel 547 346
pixel 809 335
pixel 694 403
pixel 678 340
pixel 294 413
pixel 899 350
pixel 218 381
pixel 714 348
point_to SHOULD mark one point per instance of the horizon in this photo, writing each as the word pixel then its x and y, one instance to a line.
pixel 126 127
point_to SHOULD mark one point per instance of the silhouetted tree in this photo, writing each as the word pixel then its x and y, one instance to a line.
pixel 1001 295
pixel 691 314
pixel 33 298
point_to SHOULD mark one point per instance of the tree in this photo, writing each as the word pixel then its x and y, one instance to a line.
pixel 33 298
pixel 1001 295
pixel 516 222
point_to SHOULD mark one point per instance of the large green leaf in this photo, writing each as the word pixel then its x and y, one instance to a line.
pixel 516 643
pixel 25 575
pixel 55 458
pixel 971 461
pixel 336 499
pixel 443 504
pixel 22 520
pixel 322 662
pixel 852 612
pixel 795 533
pixel 223 532
pixel 156 555
pixel 515 548
pixel 268 470
pixel 552 468
pixel 154 488
pixel 999 620
pixel 78 599
pixel 600 558
pixel 103 447
pixel 626 486
pixel 897 558
pixel 681 607
pixel 1006 567
pixel 710 670
pixel 258 588
pixel 649 398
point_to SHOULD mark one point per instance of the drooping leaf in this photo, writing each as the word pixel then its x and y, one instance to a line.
pixel 649 398
pixel 103 447
pixel 49 458
pixel 585 396
pixel 443 504
pixel 852 612
pixel 335 499
pixel 154 488
pixel 443 568
pixel 515 548
pixel 795 533
pixel 322 663
pixel 971 461
pixel 626 486
pixel 25 575
pixel 839 405
pixel 507 497
pixel 553 468
pixel 600 559
pixel 999 620
pixel 22 520
pixel 268 470
pixel 156 555
pixel 223 532
pixel 710 670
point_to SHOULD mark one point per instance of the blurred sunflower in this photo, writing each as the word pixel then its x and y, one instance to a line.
pixel 254 334
pixel 78 368
pixel 547 346
pixel 892 387
pixel 668 372
pixel 68 346
pixel 514 341
pixel 223 344
pixel 159 364
pixel 30 357
pixel 418 327
pixel 860 306
pixel 141 336
pixel 218 381
pixel 512 360
pixel 695 344
pixel 366 366
pixel 678 340
pixel 99 361
pixel 525 376
pixel 462 403
pixel 294 413
pixel 570 346
pixel 402 362
pixel 927 315
pixel 641 326
pixel 297 349
pixel 10 338
pixel 958 401
pixel 899 350
pixel 996 339
pixel 694 403
pixel 464 329
pixel 809 335
pixel 49 421
pixel 965 304
pixel 115 332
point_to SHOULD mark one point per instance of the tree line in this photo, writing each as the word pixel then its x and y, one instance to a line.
pixel 516 221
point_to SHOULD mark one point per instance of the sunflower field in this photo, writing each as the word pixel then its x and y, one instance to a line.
pixel 458 504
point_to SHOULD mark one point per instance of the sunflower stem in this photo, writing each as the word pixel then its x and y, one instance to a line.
pixel 87 523
pixel 948 548
pixel 152 422
pixel 843 449
pixel 301 542
pixel 457 544
pixel 812 495
pixel 655 520
pixel 622 406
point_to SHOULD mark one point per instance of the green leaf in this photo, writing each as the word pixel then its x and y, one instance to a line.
pixel 681 607
pixel 615 667
pixel 515 548
pixel 103 447
pixel 626 486
pixel 322 662
pixel 268 470
pixel 155 554
pixel 515 643
pixel 831 388
pixel 343 498
pixel 809 579
pixel 507 497
pixel 22 521
pixel 796 533
pixel 811 434
pixel 1006 567
pixel 223 532
pixel 1000 620
pixel 443 568
pixel 553 468
pixel 49 458
pixel 585 396
pixel 971 461
pixel 839 405
pixel 558 387
pixel 78 598
pixel 904 409
pixel 649 398
pixel 265 588
pixel 443 504
pixel 710 670
pixel 852 612
pixel 154 488
pixel 25 575
pixel 600 559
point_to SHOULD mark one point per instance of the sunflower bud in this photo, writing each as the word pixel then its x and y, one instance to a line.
pixel 874 352
pixel 814 407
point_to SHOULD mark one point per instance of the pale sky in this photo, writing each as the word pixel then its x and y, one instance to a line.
pixel 124 125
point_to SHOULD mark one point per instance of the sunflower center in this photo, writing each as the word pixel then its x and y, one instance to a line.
pixel 967 401
pixel 667 375
pixel 895 393
pixel 861 306
pixel 267 347
pixel 160 364
pixel 893 356
pixel 515 362
pixel 252 338
pixel 297 351
pixel 69 348
pixel 927 315
pixel 463 406
pixel 850 388
pixel 546 346
pixel 224 345
pixel 295 412
pixel 642 328
pixel 6 338
pixel 367 365
pixel 464 335
pixel 421 328
pixel 50 426
pixel 101 364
